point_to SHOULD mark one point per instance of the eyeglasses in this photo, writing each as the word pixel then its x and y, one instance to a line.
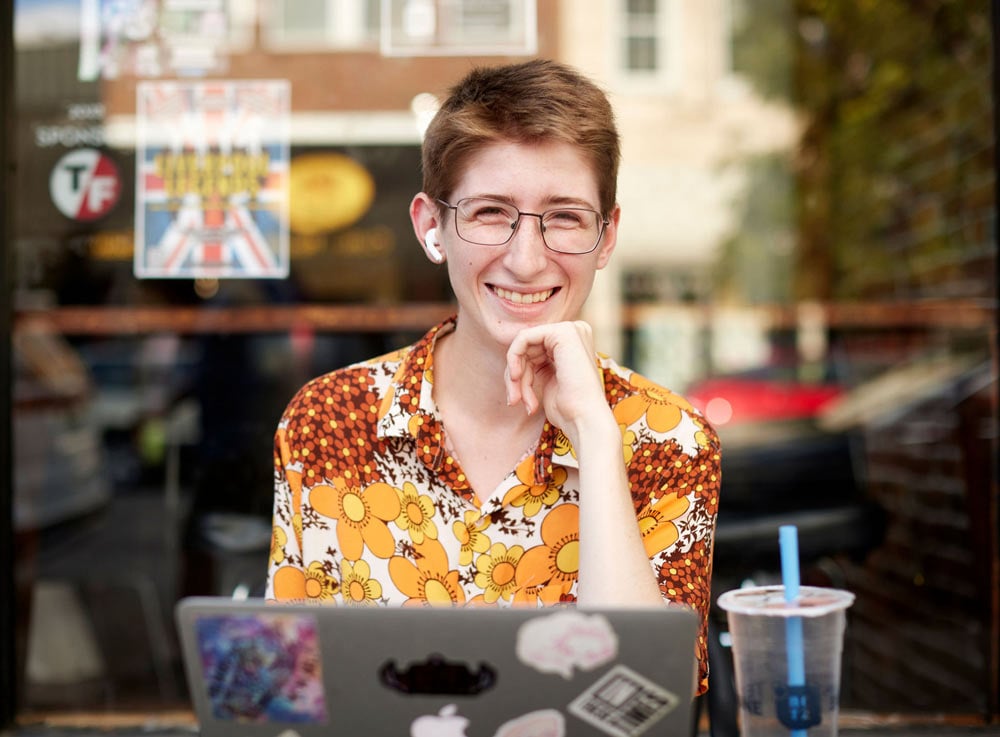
pixel 487 222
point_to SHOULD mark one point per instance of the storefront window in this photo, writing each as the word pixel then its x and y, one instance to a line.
pixel 209 205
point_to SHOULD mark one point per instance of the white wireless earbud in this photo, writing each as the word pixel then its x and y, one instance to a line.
pixel 430 243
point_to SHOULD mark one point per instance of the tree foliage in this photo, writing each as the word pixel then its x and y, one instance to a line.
pixel 894 169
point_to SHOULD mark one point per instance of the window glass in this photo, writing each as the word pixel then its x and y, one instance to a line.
pixel 641 54
pixel 492 16
pixel 807 252
pixel 300 16
pixel 844 324
pixel 317 24
pixel 642 7
pixel 642 39
pixel 455 27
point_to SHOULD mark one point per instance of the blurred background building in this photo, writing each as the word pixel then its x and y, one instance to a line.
pixel 808 250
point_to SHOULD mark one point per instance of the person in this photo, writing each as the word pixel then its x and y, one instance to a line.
pixel 500 460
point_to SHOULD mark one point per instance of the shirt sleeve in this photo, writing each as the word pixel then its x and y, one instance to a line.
pixel 285 574
pixel 676 493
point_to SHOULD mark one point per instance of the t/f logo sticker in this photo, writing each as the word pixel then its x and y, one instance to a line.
pixel 85 184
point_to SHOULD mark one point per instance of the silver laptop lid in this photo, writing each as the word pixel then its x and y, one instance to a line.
pixel 265 669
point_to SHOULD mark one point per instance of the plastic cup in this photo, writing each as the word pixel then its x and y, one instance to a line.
pixel 769 705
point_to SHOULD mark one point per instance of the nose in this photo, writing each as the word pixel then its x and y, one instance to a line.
pixel 526 252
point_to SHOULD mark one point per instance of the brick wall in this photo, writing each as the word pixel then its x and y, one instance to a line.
pixel 919 635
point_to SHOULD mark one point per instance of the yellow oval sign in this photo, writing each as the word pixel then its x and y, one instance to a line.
pixel 327 192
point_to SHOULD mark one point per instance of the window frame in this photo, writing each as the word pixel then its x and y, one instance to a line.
pixel 447 37
pixel 8 599
pixel 668 34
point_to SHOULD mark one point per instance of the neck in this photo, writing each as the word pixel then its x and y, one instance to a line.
pixel 471 377
pixel 470 372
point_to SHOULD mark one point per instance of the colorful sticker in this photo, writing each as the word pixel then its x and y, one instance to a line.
pixel 263 668
pixel 85 184
pixel 556 643
pixel 623 703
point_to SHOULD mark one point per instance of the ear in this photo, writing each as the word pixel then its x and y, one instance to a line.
pixel 610 238
pixel 424 215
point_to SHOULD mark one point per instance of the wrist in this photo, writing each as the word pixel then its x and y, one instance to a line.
pixel 595 433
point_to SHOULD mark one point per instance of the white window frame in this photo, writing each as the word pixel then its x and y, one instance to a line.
pixel 343 28
pixel 669 37
pixel 438 29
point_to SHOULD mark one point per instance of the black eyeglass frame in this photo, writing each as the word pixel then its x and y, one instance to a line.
pixel 517 222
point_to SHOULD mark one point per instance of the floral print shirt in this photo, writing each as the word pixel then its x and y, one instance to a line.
pixel 371 509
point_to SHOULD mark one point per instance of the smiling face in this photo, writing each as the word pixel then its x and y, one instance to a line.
pixel 502 289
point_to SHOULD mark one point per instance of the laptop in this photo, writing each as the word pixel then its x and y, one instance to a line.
pixel 280 670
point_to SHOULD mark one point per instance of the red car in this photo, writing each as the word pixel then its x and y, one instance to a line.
pixel 775 455
pixel 760 396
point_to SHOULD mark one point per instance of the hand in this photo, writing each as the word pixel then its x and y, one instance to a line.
pixel 554 367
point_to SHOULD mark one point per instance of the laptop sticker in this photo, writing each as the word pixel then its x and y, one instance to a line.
pixel 446 723
pixel 556 643
pixel 438 676
pixel 449 723
pixel 623 703
pixel 262 668
pixel 541 723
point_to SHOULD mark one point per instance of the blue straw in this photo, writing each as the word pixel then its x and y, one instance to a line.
pixel 788 540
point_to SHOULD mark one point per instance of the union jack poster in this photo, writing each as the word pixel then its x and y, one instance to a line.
pixel 212 165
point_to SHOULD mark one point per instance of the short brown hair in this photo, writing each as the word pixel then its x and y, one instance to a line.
pixel 531 102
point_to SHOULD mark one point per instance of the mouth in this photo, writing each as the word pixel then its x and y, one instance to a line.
pixel 523 298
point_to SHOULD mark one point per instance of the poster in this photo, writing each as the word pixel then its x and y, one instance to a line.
pixel 212 165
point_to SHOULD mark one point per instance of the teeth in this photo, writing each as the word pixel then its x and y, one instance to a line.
pixel 523 299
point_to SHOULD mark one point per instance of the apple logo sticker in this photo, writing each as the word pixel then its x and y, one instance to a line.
pixel 446 723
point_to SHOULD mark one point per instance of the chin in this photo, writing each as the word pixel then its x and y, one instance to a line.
pixel 502 326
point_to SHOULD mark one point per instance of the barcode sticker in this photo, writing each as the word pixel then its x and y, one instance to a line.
pixel 623 703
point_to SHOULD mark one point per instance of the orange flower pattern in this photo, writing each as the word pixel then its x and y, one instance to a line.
pixel 371 509
pixel 532 495
pixel 661 408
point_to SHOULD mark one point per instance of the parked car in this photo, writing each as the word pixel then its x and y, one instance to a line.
pixel 776 455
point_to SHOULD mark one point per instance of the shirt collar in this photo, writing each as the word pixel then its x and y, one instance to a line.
pixel 411 392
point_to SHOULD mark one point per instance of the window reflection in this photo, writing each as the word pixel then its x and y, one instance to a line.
pixel 807 251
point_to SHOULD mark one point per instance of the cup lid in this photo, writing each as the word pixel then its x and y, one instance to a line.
pixel 769 601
